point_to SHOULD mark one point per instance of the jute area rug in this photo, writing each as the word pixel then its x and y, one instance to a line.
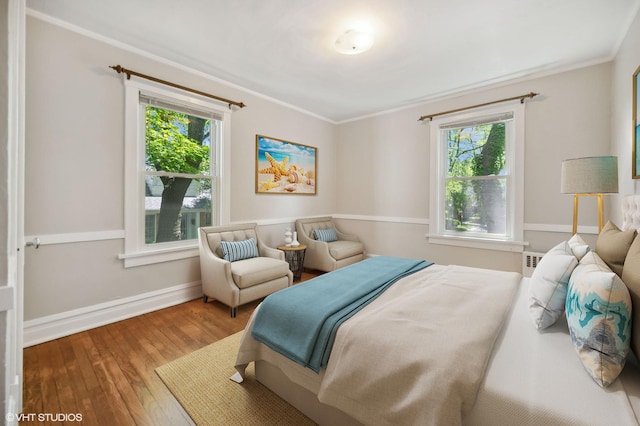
pixel 200 382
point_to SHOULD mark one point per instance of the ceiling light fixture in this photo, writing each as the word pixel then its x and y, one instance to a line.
pixel 353 42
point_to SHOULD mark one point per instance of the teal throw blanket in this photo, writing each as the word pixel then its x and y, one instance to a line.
pixel 300 322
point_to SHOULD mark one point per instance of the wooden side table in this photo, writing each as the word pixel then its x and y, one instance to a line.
pixel 295 257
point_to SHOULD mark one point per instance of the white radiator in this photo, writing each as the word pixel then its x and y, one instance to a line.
pixel 530 260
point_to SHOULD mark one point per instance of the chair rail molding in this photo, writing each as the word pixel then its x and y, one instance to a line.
pixel 77 237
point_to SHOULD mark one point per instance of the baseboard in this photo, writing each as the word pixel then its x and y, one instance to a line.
pixel 52 327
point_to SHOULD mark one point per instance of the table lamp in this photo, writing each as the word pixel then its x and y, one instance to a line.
pixel 589 176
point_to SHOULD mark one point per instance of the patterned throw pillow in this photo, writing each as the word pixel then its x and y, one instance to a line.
pixel 326 235
pixel 599 317
pixel 548 289
pixel 238 250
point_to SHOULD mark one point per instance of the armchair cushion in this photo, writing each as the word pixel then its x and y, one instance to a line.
pixel 249 272
pixel 342 249
pixel 239 250
pixel 327 235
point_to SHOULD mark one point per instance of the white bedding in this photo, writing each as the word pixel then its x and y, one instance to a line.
pixel 533 378
pixel 537 378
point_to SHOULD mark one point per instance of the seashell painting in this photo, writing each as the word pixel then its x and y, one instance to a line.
pixel 284 167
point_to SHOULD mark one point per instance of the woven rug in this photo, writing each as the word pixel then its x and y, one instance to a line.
pixel 200 382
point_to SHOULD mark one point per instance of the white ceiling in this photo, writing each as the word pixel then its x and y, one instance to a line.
pixel 424 49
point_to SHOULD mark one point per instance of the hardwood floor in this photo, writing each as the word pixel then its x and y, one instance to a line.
pixel 107 374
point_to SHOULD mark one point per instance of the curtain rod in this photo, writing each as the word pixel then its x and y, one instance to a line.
pixel 129 73
pixel 521 97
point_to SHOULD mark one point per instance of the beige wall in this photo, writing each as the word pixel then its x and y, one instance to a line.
pixel 373 173
pixel 626 62
pixel 74 171
pixel 383 164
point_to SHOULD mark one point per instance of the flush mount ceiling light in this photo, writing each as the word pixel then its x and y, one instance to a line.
pixel 354 42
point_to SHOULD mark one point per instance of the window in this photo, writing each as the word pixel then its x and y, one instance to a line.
pixel 175 148
pixel 476 189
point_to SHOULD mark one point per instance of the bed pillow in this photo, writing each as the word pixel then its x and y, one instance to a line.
pixel 598 312
pixel 612 246
pixel 548 287
pixel 578 246
pixel 326 235
pixel 631 278
pixel 239 250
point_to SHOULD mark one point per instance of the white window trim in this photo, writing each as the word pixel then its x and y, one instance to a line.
pixel 515 192
pixel 136 253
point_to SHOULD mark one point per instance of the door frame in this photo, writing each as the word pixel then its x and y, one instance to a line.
pixel 13 291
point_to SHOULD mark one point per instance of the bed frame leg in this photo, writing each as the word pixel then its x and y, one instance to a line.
pixel 234 312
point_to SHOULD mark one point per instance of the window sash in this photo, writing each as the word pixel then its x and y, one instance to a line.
pixel 185 234
pixel 500 217
pixel 136 252
pixel 511 240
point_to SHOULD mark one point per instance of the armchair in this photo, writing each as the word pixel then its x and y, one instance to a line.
pixel 250 271
pixel 331 255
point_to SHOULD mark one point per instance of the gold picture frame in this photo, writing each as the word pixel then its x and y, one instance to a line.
pixel 284 167
pixel 635 153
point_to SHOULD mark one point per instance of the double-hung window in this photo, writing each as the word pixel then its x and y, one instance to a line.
pixel 477 178
pixel 174 150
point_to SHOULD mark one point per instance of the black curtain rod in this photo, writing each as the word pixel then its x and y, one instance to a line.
pixel 521 97
pixel 119 69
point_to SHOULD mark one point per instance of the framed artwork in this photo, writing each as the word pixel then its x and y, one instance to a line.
pixel 635 154
pixel 284 167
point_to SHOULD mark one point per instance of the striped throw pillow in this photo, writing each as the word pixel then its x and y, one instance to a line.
pixel 238 250
pixel 326 235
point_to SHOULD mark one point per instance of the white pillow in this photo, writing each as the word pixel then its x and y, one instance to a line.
pixel 578 246
pixel 548 287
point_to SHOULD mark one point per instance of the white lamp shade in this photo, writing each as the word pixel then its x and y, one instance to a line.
pixel 590 175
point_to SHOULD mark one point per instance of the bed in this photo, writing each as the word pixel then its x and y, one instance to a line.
pixel 527 377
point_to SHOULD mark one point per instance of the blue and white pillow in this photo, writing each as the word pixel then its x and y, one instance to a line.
pixel 326 235
pixel 598 313
pixel 239 250
pixel 548 287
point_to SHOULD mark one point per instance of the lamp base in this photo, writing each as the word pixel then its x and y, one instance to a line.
pixel 600 211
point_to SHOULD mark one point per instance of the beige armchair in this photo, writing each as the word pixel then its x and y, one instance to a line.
pixel 260 270
pixel 327 256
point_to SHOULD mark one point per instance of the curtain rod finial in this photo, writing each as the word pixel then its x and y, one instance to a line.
pixel 119 69
pixel 531 95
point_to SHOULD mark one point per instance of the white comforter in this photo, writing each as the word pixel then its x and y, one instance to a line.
pixel 417 354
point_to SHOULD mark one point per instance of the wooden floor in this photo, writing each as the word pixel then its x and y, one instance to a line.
pixel 107 374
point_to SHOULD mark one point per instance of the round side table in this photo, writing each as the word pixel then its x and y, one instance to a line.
pixel 295 257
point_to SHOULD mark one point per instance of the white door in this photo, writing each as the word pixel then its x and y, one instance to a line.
pixel 11 292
